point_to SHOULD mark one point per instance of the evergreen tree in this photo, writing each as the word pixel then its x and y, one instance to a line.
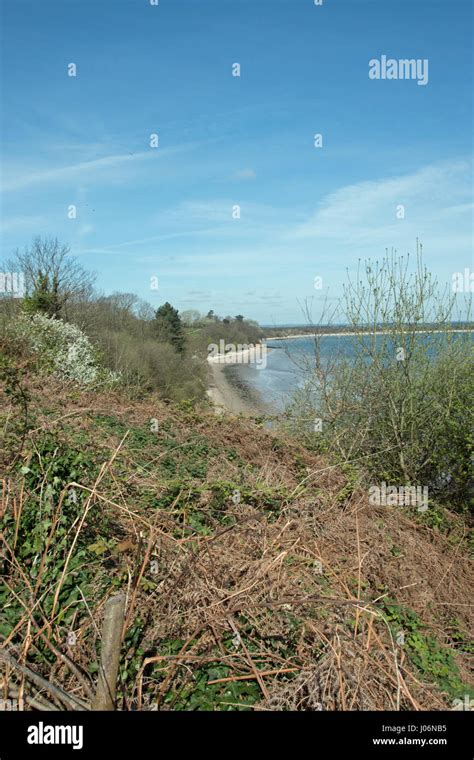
pixel 169 326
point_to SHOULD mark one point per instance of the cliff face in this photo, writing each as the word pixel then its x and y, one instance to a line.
pixel 257 575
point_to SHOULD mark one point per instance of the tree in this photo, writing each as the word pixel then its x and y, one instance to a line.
pixel 145 310
pixel 123 301
pixel 239 318
pixel 53 279
pixel 169 326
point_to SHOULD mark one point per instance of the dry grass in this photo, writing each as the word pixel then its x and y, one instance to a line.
pixel 290 598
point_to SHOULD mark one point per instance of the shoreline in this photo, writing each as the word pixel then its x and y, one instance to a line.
pixel 227 392
pixel 251 355
pixel 358 333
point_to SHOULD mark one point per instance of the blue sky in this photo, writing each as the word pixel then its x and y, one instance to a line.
pixel 306 212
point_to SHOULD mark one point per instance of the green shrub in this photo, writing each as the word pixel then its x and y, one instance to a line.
pixel 401 404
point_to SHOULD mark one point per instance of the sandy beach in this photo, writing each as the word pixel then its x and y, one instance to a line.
pixel 227 391
pixel 227 394
pixel 254 354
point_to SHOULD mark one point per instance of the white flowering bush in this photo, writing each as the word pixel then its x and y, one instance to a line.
pixel 64 349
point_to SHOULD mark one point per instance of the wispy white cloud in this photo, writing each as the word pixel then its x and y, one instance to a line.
pixel 211 219
pixel 219 211
pixel 270 242
pixel 372 211
pixel 89 168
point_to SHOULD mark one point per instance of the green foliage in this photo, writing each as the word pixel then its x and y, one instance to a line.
pixel 45 296
pixel 460 640
pixel 14 426
pixel 213 330
pixel 143 349
pixel 168 326
pixel 49 512
pixel 352 481
pixel 147 365
pixel 401 403
pixel 435 663
pixel 133 652
pixel 192 690
pixel 263 497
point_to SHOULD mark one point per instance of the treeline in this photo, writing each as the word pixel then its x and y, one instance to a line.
pixel 149 349
pixel 311 329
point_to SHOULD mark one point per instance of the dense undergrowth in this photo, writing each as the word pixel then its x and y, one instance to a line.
pixel 257 574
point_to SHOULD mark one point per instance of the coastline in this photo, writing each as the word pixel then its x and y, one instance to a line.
pixel 360 332
pixel 248 355
pixel 227 390
pixel 229 393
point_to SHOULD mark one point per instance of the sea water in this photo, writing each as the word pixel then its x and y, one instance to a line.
pixel 291 361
